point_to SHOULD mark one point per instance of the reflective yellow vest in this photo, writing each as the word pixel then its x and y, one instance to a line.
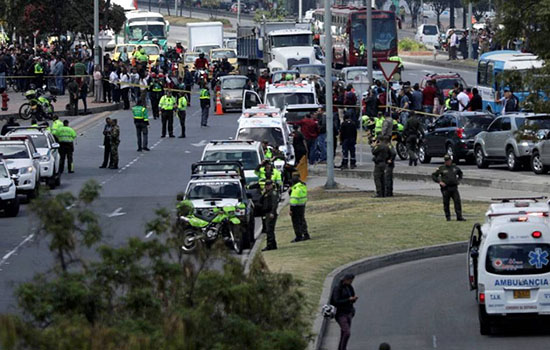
pixel 275 177
pixel 182 103
pixel 65 134
pixel 140 113
pixel 167 103
pixel 204 94
pixel 298 194
pixel 378 124
pixel 38 69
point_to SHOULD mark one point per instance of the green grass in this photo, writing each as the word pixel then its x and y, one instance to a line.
pixel 409 45
pixel 346 227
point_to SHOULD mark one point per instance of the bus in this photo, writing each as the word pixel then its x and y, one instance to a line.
pixel 349 25
pixel 144 27
pixel 491 78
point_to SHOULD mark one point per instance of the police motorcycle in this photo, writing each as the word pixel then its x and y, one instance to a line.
pixel 39 105
pixel 225 225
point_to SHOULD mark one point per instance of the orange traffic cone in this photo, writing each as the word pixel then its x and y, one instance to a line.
pixel 219 109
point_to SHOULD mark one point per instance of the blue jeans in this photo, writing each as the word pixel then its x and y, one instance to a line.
pixel 3 80
pixel 59 85
pixel 321 148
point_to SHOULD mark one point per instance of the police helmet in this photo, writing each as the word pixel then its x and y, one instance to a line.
pixel 29 94
pixel 201 55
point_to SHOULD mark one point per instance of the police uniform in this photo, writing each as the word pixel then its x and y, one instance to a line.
pixel 204 96
pixel 270 202
pixel 115 141
pixel 141 122
pixel 182 107
pixel 450 175
pixel 388 173
pixel 155 92
pixel 298 200
pixel 167 105
pixel 382 154
pixel 66 136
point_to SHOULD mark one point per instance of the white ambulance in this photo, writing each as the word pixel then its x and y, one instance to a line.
pixel 282 94
pixel 509 262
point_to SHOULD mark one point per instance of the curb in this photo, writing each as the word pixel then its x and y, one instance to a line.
pixel 64 113
pixel 370 264
pixel 431 62
pixel 476 182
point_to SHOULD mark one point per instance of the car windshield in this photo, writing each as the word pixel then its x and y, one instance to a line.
pixel 518 259
pixel 129 48
pixel 356 74
pixel 429 30
pixel 274 136
pixel 248 158
pixel 3 171
pixel 191 58
pixel 290 98
pixel 206 48
pixel 448 83
pixel 223 54
pixel 138 32
pixel 476 121
pixel 291 40
pixel 40 141
pixel 233 83
pixel 279 76
pixel 14 151
pixel 151 50
pixel 538 123
pixel 308 70
pixel 208 190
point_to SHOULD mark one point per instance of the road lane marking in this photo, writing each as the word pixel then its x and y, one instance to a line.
pixel 200 144
pixel 14 250
pixel 434 341
pixel 116 212
pixel 149 234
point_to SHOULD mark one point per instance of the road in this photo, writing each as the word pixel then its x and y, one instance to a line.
pixel 129 196
pixel 427 305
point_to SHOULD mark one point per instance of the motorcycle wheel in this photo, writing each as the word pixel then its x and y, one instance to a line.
pixel 402 151
pixel 236 236
pixel 25 111
pixel 189 242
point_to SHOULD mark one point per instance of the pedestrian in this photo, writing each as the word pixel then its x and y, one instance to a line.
pixel 463 99
pixel 270 202
pixel 66 136
pixel 125 88
pixel 388 173
pixel 98 84
pixel 448 176
pixel 188 82
pixel 74 95
pixel 382 154
pixel 167 104
pixel 106 143
pixel 58 70
pixel 510 102
pixel 428 97
pixel 411 134
pixel 476 103
pixel 114 79
pixel 361 53
pixel 343 297
pixel 417 98
pixel 204 96
pixel 387 127
pixel 141 122
pixel 348 139
pixel 107 92
pixel 84 95
pixel 310 129
pixel 134 89
pixel 350 100
pixel 11 123
pixel 298 200
pixel 404 104
pixel 115 141
pixel 182 107
pixel 300 152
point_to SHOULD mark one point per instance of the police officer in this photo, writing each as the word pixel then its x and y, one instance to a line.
pixel 378 122
pixel 38 73
pixel 141 122
pixel 348 139
pixel 268 150
pixel 361 52
pixel 106 142
pixel 448 176
pixel 388 173
pixel 182 107
pixel 265 171
pixel 298 200
pixel 270 202
pixel 382 154
pixel 156 90
pixel 204 96
pixel 167 104
pixel 188 82
pixel 66 136
pixel 411 134
pixel 115 141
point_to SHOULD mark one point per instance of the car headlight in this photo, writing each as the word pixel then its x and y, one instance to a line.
pixel 45 158
pixel 4 189
pixel 26 170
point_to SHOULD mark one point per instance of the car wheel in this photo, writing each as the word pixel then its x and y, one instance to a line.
pixel 537 165
pixel 484 322
pixel 13 209
pixel 423 155
pixel 33 193
pixel 511 160
pixel 481 162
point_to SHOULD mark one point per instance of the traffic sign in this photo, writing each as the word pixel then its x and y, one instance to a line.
pixel 388 68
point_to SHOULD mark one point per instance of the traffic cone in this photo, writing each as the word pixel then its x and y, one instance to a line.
pixel 219 109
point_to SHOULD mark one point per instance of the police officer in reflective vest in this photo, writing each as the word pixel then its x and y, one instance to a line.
pixel 204 96
pixel 167 104
pixel 361 52
pixel 378 122
pixel 155 92
pixel 298 200
pixel 448 176
pixel 182 107
pixel 38 73
pixel 265 171
pixel 141 122
pixel 66 136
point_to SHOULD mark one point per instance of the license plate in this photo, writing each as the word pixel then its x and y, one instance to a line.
pixel 522 294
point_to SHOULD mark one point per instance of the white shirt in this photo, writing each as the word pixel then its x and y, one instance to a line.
pixel 463 101
pixel 124 78
pixel 454 41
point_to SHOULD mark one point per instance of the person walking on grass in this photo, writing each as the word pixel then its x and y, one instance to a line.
pixel 298 200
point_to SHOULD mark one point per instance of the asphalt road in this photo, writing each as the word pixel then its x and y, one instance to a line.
pixel 415 72
pixel 129 196
pixel 427 305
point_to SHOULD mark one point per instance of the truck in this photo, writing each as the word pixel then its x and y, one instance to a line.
pixel 205 36
pixel 276 45
pixel 144 27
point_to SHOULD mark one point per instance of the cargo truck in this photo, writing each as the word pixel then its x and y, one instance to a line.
pixel 204 36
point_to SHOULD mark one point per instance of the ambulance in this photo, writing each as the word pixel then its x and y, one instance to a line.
pixel 509 262
pixel 264 123
pixel 280 95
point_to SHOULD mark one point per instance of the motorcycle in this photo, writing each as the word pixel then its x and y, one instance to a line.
pixel 39 105
pixel 400 145
pixel 225 224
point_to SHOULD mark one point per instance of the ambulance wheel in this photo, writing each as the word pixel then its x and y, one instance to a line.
pixel 484 322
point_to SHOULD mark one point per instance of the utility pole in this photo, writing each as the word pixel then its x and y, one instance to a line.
pixel 328 96
pixel 452 13
pixel 239 11
pixel 470 29
pixel 97 53
pixel 369 41
pixel 176 7
pixel 299 11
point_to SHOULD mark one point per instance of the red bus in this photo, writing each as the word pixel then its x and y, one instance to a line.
pixel 349 25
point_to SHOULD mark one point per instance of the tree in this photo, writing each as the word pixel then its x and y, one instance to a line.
pixel 211 5
pixel 480 7
pixel 452 5
pixel 380 4
pixel 414 7
pixel 439 6
pixel 147 295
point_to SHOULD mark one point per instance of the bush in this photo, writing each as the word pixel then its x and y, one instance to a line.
pixel 225 21
pixel 409 44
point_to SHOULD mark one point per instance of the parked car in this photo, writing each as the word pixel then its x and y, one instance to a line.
pixel 453 133
pixel 540 156
pixel 444 81
pixel 428 34
pixel 510 139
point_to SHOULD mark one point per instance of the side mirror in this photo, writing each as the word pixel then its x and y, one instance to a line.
pixel 36 155
pixel 55 145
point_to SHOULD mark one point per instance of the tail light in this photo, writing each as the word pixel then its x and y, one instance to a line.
pixel 481 295
pixel 460 133
pixel 502 235
pixel 482 298
pixel 536 234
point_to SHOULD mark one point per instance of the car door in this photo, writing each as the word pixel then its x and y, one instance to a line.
pixel 491 136
pixel 250 99
pixel 439 135
pixel 501 137
pixel 54 150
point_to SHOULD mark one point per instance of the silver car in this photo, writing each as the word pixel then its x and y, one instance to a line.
pixel 231 91
pixel 510 139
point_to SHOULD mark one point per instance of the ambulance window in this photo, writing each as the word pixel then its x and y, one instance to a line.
pixel 518 259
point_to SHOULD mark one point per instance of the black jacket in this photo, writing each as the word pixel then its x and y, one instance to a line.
pixel 340 299
pixel 270 202
pixel 449 175
pixel 476 103
pixel 348 131
pixel 381 154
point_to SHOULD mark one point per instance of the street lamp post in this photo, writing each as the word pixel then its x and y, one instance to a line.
pixel 470 28
pixel 97 54
pixel 328 96
pixel 369 41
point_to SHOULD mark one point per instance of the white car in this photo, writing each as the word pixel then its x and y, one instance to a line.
pixel 48 148
pixel 266 124
pixel 428 34
pixel 509 262
pixel 282 94
pixel 8 193
pixel 23 160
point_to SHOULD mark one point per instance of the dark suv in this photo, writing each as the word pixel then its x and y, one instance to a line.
pixel 453 133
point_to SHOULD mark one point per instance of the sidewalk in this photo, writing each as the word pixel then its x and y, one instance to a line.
pixel 18 98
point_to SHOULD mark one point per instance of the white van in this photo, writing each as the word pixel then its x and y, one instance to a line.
pixel 282 94
pixel 509 262
pixel 428 34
